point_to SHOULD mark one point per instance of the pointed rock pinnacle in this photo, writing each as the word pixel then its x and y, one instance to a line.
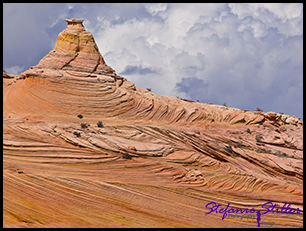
pixel 75 53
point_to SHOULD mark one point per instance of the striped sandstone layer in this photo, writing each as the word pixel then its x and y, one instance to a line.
pixel 184 154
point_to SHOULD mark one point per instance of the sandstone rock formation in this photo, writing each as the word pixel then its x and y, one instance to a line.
pixel 8 79
pixel 75 53
pixel 183 155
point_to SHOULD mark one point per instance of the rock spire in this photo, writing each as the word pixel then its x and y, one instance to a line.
pixel 75 53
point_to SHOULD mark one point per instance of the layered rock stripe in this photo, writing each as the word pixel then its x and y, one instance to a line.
pixel 183 154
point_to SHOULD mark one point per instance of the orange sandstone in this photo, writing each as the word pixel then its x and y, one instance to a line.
pixel 184 154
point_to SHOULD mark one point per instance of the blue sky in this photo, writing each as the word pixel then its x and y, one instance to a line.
pixel 244 55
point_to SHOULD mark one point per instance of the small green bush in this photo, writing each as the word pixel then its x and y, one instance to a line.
pixel 258 138
pixel 228 148
pixel 280 154
pixel 248 131
pixel 126 156
pixel 80 116
pixel 263 150
pixel 77 134
pixel 100 124
pixel 83 125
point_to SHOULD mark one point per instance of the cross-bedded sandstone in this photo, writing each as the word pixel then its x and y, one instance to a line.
pixel 182 154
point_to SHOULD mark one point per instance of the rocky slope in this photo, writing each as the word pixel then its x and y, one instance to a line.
pixel 151 161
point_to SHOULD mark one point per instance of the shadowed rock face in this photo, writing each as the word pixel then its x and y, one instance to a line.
pixel 157 161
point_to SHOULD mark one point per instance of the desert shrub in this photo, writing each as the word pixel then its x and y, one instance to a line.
pixel 258 109
pixel 277 130
pixel 80 116
pixel 278 153
pixel 77 134
pixel 263 150
pixel 248 131
pixel 228 148
pixel 285 155
pixel 83 125
pixel 100 124
pixel 258 138
pixel 149 89
pixel 238 145
pixel 224 105
pixel 126 156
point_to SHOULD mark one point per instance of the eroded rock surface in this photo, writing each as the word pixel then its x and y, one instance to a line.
pixel 182 155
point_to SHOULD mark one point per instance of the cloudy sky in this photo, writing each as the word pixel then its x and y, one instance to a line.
pixel 244 55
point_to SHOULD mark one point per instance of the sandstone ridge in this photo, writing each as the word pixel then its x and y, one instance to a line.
pixel 83 147
pixel 76 57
